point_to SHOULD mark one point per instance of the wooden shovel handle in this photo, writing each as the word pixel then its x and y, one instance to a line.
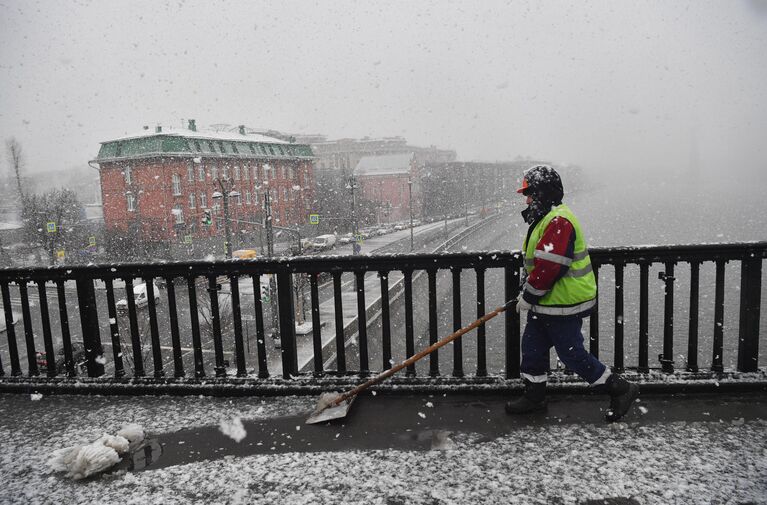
pixel 433 347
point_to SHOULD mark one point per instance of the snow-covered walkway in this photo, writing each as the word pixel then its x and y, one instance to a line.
pixel 397 450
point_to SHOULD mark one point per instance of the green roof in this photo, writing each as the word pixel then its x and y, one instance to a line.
pixel 164 144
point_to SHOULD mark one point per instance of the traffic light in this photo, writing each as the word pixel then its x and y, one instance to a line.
pixel 264 280
pixel 207 218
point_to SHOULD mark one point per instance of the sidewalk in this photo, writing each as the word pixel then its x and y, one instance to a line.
pixel 453 449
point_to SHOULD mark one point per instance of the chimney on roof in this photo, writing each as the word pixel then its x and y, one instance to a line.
pixel 158 129
pixel 242 129
pixel 192 125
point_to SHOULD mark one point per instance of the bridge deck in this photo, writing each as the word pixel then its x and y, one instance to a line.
pixel 401 449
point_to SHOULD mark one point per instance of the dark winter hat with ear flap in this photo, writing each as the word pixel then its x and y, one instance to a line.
pixel 543 184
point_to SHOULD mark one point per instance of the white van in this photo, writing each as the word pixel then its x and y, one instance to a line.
pixel 322 242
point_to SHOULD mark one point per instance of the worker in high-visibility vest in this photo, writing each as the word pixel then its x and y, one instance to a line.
pixel 559 291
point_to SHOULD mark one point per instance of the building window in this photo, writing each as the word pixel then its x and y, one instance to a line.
pixel 225 172
pixel 255 172
pixel 290 173
pixel 192 201
pixel 211 146
pixel 197 145
pixel 252 150
pixel 201 173
pixel 203 200
pixel 236 173
pixel 255 198
pixel 179 213
pixel 128 173
pixel 216 206
pixel 239 199
pixel 131 202
pixel 247 197
pixel 189 171
pixel 214 172
pixel 245 173
pixel 234 148
pixel 221 146
pixel 176 185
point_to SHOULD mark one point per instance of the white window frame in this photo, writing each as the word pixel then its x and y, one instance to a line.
pixel 192 201
pixel 176 185
pixel 236 173
pixel 201 173
pixel 189 172
pixel 128 174
pixel 247 197
pixel 131 200
pixel 179 214
pixel 204 200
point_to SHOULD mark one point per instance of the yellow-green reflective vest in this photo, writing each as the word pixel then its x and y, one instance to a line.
pixel 574 293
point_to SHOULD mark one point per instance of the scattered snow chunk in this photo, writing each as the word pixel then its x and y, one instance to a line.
pixel 36 396
pixel 548 247
pixel 233 429
pixel 423 416
pixel 429 404
pixel 643 409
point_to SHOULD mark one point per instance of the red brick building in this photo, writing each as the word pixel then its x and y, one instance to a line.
pixel 384 180
pixel 162 182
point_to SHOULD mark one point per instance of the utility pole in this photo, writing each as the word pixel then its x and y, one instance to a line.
pixel 410 205
pixel 224 194
pixel 352 185
pixel 270 253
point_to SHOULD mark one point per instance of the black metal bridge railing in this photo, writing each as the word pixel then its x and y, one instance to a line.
pixel 194 277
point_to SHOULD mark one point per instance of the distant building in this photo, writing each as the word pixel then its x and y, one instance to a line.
pixel 345 154
pixel 384 180
pixel 162 182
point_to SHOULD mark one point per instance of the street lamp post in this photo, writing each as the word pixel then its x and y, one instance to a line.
pixel 351 186
pixel 410 205
pixel 224 194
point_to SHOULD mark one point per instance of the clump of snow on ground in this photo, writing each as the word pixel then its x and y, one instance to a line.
pixel 36 397
pixel 233 429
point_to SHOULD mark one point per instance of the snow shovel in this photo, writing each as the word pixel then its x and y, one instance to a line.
pixel 336 405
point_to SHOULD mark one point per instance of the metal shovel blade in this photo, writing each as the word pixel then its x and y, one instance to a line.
pixel 326 411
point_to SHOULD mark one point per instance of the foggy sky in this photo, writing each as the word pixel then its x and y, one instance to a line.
pixel 618 86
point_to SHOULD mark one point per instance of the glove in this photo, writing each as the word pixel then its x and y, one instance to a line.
pixel 522 304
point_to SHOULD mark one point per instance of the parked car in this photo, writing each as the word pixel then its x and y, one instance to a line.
pixel 400 226
pixel 323 242
pixel 346 239
pixel 244 253
pixel 78 356
pixel 140 296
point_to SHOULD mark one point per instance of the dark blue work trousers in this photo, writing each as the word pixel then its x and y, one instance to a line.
pixel 564 333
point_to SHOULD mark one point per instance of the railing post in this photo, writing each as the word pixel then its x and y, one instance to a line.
pixel 692 339
pixel 717 362
pixel 89 319
pixel 457 343
pixel 594 318
pixel 29 335
pixel 433 330
pixel 750 302
pixel 481 329
pixel 287 324
pixel 644 351
pixel 667 357
pixel 215 317
pixel 10 331
pixel 618 350
pixel 511 321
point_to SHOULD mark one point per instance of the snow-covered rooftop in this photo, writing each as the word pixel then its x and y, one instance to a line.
pixel 206 135
pixel 384 165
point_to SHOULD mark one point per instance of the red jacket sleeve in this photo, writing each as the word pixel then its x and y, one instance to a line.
pixel 553 256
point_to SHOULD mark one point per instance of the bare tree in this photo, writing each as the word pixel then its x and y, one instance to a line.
pixel 16 160
pixel 59 207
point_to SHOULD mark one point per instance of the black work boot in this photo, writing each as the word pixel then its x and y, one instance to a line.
pixel 622 395
pixel 533 399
